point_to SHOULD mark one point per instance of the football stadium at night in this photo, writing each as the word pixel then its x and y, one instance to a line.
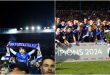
pixel 26 36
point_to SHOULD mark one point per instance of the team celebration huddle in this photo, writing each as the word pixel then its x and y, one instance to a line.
pixel 80 31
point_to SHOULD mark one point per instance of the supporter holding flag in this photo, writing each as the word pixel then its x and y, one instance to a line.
pixel 22 55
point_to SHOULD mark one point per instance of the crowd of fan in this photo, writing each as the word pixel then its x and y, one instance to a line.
pixel 80 14
pixel 86 30
pixel 47 66
pixel 20 64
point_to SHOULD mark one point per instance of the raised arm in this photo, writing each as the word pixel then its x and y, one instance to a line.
pixel 8 52
pixel 31 52
pixel 39 56
pixel 12 51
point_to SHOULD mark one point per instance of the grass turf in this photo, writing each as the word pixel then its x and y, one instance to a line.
pixel 90 67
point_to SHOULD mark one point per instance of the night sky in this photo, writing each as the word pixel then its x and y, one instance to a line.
pixel 16 14
pixel 26 13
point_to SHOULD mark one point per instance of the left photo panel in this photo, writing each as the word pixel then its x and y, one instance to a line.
pixel 27 37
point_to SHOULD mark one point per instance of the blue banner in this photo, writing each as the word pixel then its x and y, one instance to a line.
pixel 11 44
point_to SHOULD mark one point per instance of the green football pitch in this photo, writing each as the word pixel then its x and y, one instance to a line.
pixel 90 67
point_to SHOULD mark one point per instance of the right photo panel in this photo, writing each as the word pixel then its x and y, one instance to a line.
pixel 82 37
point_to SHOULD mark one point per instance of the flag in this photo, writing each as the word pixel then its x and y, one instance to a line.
pixel 39 54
